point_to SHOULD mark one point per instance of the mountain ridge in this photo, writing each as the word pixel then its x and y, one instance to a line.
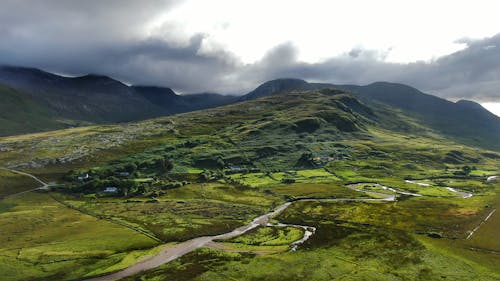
pixel 95 98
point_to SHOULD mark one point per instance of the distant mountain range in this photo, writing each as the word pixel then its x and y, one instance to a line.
pixel 32 100
pixel 72 101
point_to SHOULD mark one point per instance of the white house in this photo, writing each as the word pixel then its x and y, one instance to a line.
pixel 83 176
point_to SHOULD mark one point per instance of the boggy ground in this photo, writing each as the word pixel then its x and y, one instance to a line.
pixel 286 151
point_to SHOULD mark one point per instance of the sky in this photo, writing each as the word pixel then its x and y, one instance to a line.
pixel 447 48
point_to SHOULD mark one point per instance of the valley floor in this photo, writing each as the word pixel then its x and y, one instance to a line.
pixel 408 237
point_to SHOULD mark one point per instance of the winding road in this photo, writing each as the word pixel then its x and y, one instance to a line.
pixel 171 253
pixel 174 252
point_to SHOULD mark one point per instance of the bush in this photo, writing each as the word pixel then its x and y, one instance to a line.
pixel 308 125
pixel 288 180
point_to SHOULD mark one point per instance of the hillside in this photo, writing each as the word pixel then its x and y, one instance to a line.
pixel 275 130
pixel 94 99
pixel 19 114
pixel 97 99
pixel 465 121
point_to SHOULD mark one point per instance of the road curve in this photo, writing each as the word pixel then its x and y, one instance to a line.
pixel 44 184
pixel 174 252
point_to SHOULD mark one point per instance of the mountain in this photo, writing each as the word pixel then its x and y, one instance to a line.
pixel 73 101
pixel 93 98
pixel 172 103
pixel 282 85
pixel 89 99
pixel 208 172
pixel 464 120
pixel 19 114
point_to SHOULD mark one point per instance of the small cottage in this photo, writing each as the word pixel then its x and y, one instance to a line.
pixel 82 176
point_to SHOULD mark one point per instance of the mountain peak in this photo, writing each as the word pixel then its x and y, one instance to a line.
pixel 96 80
pixel 276 86
pixel 469 104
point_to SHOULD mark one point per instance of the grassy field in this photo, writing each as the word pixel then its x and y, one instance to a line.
pixel 42 239
pixel 184 213
pixel 336 252
pixel 485 238
pixel 11 183
pixel 262 241
pixel 315 190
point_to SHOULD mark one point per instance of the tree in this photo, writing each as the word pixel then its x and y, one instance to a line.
pixel 466 170
pixel 130 168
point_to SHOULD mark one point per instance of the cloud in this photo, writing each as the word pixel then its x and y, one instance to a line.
pixel 470 73
pixel 115 38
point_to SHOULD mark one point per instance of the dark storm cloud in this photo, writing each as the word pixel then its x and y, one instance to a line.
pixel 109 37
pixel 106 37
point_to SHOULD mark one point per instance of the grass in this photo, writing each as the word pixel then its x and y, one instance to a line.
pixel 452 218
pixel 315 190
pixel 254 179
pixel 11 183
pixel 128 259
pixel 269 236
pixel 184 213
pixel 485 238
pixel 340 251
pixel 42 239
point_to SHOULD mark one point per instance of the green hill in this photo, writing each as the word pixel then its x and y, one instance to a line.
pixel 465 121
pixel 20 114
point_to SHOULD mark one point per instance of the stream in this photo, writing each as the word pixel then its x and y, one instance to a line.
pixel 176 251
pixel 463 194
pixel 171 253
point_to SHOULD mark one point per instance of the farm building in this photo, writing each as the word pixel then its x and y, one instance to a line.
pixel 82 176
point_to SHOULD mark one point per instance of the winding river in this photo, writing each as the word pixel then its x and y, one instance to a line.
pixel 463 194
pixel 174 252
pixel 171 253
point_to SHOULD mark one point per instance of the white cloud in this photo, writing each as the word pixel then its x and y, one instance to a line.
pixel 493 107
pixel 411 30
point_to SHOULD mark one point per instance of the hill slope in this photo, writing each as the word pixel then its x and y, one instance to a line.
pixel 19 114
pixel 282 131
pixel 93 98
pixel 466 121
pixel 100 99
